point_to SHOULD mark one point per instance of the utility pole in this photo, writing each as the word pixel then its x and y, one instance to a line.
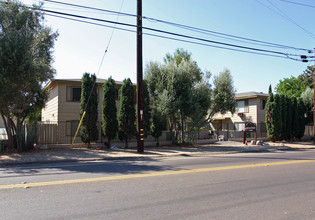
pixel 140 130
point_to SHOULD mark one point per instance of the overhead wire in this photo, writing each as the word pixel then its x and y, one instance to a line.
pixel 291 20
pixel 170 38
pixel 111 37
pixel 195 29
pixel 298 3
pixel 174 34
pixel 283 15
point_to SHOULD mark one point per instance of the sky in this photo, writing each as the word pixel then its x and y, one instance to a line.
pixel 80 47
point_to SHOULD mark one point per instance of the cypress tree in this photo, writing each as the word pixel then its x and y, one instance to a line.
pixel 109 111
pixel 288 136
pixel 276 117
pixel 127 113
pixel 269 116
pixel 269 90
pixel 301 118
pixel 294 119
pixel 88 130
pixel 283 117
pixel 146 109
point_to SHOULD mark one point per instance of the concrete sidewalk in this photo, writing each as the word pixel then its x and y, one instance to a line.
pixel 59 155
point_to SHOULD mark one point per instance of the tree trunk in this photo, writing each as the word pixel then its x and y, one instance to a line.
pixel 10 128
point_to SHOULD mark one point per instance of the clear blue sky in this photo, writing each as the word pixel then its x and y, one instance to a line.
pixel 80 47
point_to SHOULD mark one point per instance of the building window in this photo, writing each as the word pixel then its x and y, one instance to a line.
pixel 73 94
pixel 242 106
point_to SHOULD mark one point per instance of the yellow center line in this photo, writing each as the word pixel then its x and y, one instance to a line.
pixel 130 176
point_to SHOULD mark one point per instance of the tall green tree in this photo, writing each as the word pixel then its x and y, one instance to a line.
pixel 308 76
pixel 146 109
pixel 308 100
pixel 295 118
pixel 301 119
pixel 89 103
pixel 26 59
pixel 171 85
pixel 277 117
pixel 291 86
pixel 284 117
pixel 288 120
pixel 184 95
pixel 270 116
pixel 158 122
pixel 127 112
pixel 109 111
pixel 223 94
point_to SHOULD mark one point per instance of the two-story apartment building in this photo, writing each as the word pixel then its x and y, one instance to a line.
pixel 250 107
pixel 62 109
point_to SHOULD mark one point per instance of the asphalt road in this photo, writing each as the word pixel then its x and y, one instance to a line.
pixel 232 186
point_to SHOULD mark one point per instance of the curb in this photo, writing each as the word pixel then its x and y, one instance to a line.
pixel 137 157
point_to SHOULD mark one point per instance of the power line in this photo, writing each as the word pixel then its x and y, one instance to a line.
pixel 298 3
pixel 181 40
pixel 283 15
pixel 110 39
pixel 174 34
pixel 91 8
pixel 195 29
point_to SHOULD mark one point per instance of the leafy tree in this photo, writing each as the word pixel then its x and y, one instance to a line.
pixel 202 102
pixel 308 100
pixel 157 126
pixel 308 76
pixel 127 112
pixel 146 109
pixel 25 64
pixel 183 92
pixel 223 94
pixel 291 87
pixel 179 55
pixel 109 110
pixel 88 129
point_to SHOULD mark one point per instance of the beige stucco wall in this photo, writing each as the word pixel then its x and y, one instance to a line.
pixel 50 111
pixel 58 108
pixel 250 116
pixel 255 113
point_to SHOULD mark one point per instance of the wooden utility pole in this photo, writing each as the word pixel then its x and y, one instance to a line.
pixel 140 130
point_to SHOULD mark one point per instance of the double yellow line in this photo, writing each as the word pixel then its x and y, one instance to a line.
pixel 130 176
